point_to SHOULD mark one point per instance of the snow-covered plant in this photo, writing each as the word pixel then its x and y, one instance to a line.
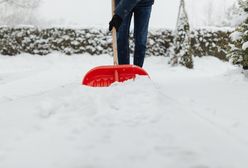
pixel 39 41
pixel 181 53
pixel 238 53
pixel 243 4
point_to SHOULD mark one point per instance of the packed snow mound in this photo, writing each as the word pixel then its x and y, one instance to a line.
pixel 178 118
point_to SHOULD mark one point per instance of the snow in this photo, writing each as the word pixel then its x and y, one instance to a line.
pixel 245 45
pixel 179 119
pixel 235 36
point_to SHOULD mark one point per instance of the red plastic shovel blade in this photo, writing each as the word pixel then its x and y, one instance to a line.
pixel 104 76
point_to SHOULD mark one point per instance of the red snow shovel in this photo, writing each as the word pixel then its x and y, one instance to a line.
pixel 104 76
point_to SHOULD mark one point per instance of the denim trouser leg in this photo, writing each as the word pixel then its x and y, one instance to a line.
pixel 123 41
pixel 141 23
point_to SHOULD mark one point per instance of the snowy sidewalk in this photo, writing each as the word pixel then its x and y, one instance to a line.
pixel 179 119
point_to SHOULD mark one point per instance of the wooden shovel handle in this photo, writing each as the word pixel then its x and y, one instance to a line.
pixel 114 37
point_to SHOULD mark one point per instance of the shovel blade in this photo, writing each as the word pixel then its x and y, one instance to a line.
pixel 104 76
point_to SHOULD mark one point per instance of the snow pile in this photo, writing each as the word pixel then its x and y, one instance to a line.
pixel 180 118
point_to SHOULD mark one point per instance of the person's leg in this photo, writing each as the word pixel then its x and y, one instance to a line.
pixel 123 41
pixel 141 23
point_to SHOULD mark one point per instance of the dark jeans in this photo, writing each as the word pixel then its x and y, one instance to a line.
pixel 141 22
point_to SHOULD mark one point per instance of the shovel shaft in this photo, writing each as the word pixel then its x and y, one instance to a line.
pixel 114 45
pixel 114 37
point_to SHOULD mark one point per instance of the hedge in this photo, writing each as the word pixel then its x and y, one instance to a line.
pixel 14 41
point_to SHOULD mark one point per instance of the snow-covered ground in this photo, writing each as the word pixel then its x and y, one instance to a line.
pixel 179 119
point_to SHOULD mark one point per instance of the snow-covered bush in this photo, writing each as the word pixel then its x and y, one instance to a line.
pixel 213 42
pixel 158 42
pixel 72 41
pixel 31 40
pixel 44 41
pixel 238 53
pixel 181 52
